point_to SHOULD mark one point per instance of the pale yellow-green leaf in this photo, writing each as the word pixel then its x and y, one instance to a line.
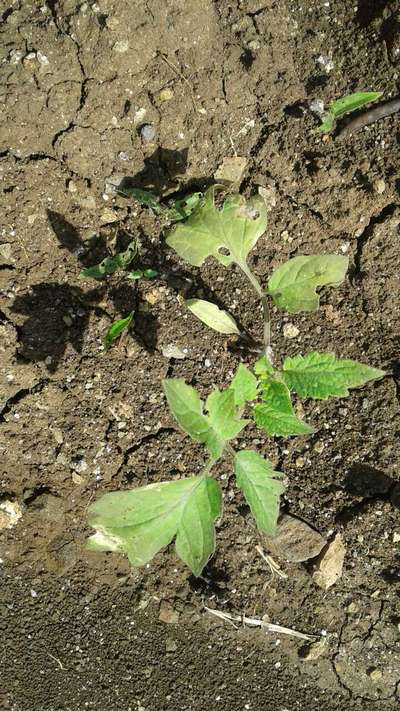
pixel 293 285
pixel 212 316
pixel 227 233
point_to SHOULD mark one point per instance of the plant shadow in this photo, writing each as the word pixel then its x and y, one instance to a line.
pixel 58 314
pixel 367 484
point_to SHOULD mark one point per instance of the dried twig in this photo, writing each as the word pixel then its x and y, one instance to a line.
pixel 56 660
pixel 273 566
pixel 181 76
pixel 255 622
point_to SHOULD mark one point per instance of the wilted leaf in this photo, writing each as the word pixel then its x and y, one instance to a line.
pixel 212 316
pixel 145 197
pixel 110 264
pixel 275 413
pixel 321 375
pixel 261 487
pixel 141 521
pixel 183 207
pixel 139 273
pixel 234 228
pixel 293 285
pixel 116 329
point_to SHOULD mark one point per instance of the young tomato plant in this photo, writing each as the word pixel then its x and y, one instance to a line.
pixel 141 521
pixel 346 105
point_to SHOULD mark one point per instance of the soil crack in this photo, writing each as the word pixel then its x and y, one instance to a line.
pixel 362 240
pixel 20 395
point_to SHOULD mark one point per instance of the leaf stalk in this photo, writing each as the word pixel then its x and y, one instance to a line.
pixel 265 307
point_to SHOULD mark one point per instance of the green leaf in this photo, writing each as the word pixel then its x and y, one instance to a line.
pixel 137 274
pixel 145 197
pixel 346 105
pixel 327 123
pixel 116 329
pixel 110 264
pixel 187 408
pixel 275 413
pixel 264 367
pixel 183 208
pixel 222 414
pixel 150 273
pixel 141 521
pixel 321 375
pixel 195 539
pixel 215 429
pixel 293 285
pixel 235 228
pixel 352 102
pixel 261 487
pixel 212 316
pixel 244 386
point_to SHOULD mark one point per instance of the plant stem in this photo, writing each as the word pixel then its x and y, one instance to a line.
pixel 265 307
pixel 228 449
pixel 207 468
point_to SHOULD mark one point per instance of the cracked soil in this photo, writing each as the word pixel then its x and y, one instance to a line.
pixel 78 80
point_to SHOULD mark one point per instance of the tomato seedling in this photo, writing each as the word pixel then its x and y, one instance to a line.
pixel 346 105
pixel 141 521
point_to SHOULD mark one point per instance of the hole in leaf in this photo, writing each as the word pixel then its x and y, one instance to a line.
pixel 224 251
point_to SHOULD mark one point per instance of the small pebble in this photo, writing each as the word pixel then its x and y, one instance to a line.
pixel 121 46
pixel 290 330
pixel 10 513
pixel 88 202
pixel 254 45
pixel 319 447
pixel 58 435
pixel 310 652
pixel 317 107
pixel 379 186
pixel 152 296
pixel 139 116
pixel 375 675
pixel 108 216
pixel 325 62
pixel 168 615
pixel 148 132
pixel 352 608
pixel 166 94
pixel 172 351
pixel 170 645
